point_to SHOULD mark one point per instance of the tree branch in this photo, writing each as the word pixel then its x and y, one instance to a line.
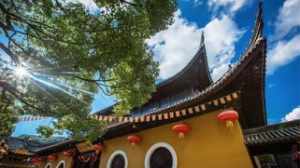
pixel 16 94
pixel 92 80
pixel 9 53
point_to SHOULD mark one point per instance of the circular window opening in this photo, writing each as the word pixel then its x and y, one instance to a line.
pixel 117 160
pixel 161 155
pixel 161 158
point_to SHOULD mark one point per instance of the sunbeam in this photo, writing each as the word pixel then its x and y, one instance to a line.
pixel 61 84
pixel 55 87
pixel 23 71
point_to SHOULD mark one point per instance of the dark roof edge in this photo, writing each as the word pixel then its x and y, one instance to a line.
pixel 293 123
pixel 68 142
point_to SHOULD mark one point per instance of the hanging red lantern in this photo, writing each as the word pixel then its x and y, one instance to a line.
pixel 52 157
pixel 98 148
pixel 69 153
pixel 36 161
pixel 181 129
pixel 134 139
pixel 228 116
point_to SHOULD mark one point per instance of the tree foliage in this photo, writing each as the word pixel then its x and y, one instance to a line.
pixel 70 51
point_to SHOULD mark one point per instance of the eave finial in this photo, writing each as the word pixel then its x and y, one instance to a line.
pixel 259 24
pixel 202 41
pixel 259 19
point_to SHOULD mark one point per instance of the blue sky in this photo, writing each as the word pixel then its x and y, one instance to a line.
pixel 227 25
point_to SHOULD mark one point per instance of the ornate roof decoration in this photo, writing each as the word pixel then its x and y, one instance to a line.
pixel 278 133
pixel 259 25
pixel 185 112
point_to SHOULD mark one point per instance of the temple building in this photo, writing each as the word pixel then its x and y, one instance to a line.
pixel 189 122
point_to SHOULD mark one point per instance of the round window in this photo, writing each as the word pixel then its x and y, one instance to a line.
pixel 117 160
pixel 161 155
pixel 161 158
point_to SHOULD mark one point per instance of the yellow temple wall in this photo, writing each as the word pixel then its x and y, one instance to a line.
pixel 209 144
pixel 60 158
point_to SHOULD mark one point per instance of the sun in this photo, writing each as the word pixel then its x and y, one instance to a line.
pixel 21 72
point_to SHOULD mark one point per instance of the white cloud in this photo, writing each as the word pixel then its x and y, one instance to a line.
pixel 288 18
pixel 175 47
pixel 221 33
pixel 283 53
pixel 293 115
pixel 232 5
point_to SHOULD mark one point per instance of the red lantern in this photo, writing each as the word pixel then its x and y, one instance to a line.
pixel 36 161
pixel 181 129
pixel 229 116
pixel 52 157
pixel 134 139
pixel 98 148
pixel 69 153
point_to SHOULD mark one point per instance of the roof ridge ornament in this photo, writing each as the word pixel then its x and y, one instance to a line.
pixel 259 24
pixel 259 18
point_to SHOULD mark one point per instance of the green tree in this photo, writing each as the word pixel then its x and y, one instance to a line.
pixel 56 54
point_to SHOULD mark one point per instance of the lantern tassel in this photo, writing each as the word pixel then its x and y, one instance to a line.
pixel 181 135
pixel 229 124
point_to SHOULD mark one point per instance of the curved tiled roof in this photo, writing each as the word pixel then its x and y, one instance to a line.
pixel 31 143
pixel 278 133
pixel 200 60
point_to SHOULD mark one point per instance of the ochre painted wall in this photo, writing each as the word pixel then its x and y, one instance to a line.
pixel 60 157
pixel 209 144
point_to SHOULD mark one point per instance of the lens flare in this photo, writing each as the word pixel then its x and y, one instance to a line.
pixel 21 72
